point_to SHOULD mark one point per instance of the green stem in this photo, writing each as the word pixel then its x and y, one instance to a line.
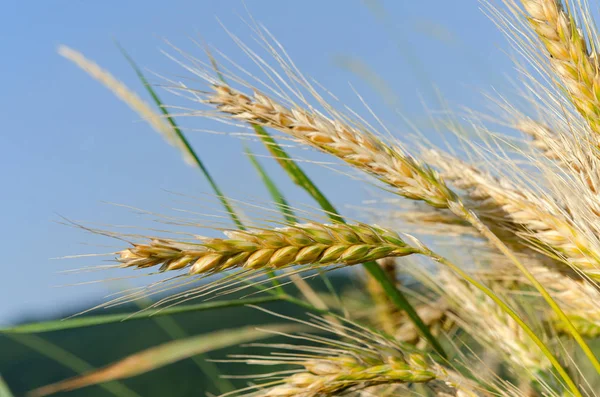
pixel 296 174
pixel 184 141
pixel 87 321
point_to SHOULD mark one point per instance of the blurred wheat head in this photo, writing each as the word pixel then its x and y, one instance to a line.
pixel 515 315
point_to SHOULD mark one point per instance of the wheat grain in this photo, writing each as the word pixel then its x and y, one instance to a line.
pixel 330 376
pixel 301 244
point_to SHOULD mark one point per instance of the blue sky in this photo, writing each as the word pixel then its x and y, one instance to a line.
pixel 69 146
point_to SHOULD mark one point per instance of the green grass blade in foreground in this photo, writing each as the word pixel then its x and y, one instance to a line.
pixel 175 331
pixel 70 361
pixel 301 179
pixel 165 354
pixel 296 174
pixel 185 143
pixel 275 193
pixel 4 390
pixel 87 321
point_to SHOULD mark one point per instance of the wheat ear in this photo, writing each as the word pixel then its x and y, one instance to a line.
pixel 329 376
pixel 574 63
pixel 310 243
pixel 543 138
pixel 352 359
pixel 353 145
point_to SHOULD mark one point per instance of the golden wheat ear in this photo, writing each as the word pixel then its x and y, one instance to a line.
pixel 344 358
pixel 301 244
pixel 574 62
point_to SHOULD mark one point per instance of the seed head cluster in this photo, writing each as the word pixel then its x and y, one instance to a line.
pixel 303 244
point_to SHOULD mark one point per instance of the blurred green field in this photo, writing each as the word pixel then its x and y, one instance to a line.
pixel 24 369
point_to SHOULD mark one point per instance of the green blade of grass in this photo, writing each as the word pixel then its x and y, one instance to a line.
pixel 184 141
pixel 70 361
pixel 87 321
pixel 191 153
pixel 275 193
pixel 296 174
pixel 175 331
pixel 4 390
pixel 159 356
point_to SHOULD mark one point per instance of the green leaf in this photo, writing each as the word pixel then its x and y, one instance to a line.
pixel 159 356
pixel 275 193
pixel 87 321
pixel 296 174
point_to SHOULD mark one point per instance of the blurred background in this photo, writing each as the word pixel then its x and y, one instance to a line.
pixel 70 147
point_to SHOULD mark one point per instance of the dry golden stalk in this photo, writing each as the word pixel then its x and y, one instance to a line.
pixel 351 144
pixel 530 217
pixel 311 243
pixel 574 63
